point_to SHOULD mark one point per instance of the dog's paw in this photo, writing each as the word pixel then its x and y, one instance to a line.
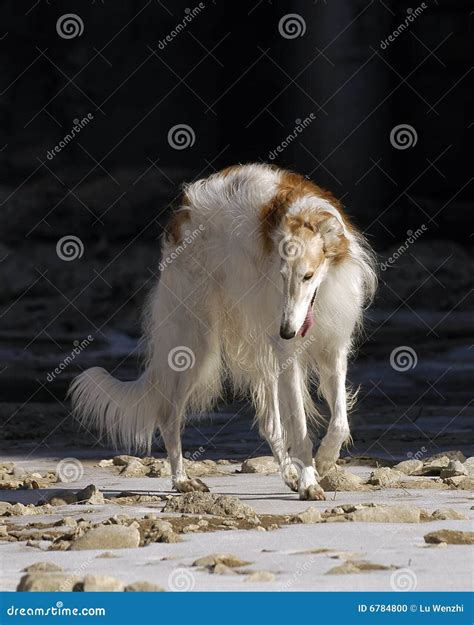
pixel 324 465
pixel 289 475
pixel 190 485
pixel 314 492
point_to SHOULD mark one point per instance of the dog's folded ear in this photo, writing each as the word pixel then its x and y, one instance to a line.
pixel 332 232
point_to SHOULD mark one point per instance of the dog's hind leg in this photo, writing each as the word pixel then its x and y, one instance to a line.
pixel 188 379
pixel 332 366
pixel 290 390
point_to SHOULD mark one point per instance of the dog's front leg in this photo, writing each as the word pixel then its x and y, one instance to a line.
pixel 332 371
pixel 290 390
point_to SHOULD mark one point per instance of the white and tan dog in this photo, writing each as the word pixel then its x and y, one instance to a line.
pixel 263 282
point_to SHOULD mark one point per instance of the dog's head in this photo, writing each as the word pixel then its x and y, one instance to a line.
pixel 309 242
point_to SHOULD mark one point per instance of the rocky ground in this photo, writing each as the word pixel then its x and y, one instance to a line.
pixel 112 524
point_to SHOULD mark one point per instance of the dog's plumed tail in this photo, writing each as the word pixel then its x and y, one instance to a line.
pixel 123 412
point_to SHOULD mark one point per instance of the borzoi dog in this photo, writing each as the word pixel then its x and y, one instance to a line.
pixel 263 282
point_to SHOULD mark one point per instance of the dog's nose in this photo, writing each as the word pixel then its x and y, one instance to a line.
pixel 286 334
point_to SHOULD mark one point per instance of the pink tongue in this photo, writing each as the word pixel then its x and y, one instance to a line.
pixel 308 322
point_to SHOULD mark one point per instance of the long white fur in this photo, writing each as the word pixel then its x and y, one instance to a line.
pixel 220 297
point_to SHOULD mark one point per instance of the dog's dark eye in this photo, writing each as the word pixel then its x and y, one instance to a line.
pixel 308 276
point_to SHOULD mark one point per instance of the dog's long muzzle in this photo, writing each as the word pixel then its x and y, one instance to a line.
pixel 287 333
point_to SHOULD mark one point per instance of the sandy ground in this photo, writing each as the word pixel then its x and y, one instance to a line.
pixel 281 551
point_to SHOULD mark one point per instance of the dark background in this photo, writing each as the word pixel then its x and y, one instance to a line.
pixel 240 85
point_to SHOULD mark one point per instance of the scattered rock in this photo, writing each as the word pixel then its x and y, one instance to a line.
pixel 409 467
pixel 339 480
pixel 45 567
pixel 143 587
pixel 211 503
pixel 47 582
pixel 160 468
pixel 451 537
pixel 107 554
pixel 310 515
pixel 447 514
pixel 417 483
pixel 222 569
pixel 106 463
pixel 201 468
pixel 261 576
pixel 62 498
pixel 227 559
pixel 100 583
pixel 262 464
pixel 387 514
pixel 134 469
pixel 123 460
pixel 461 482
pixel 358 566
pixel 452 455
pixel 384 477
pixel 91 495
pixel 157 531
pixel 469 465
pixel 435 464
pixel 108 537
pixel 454 468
